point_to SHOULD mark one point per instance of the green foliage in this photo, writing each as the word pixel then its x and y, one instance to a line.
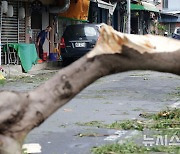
pixel 98 124
pixel 130 147
pixel 169 132
pixel 161 27
pixel 162 124
pixel 126 125
pixel 167 119
pixel 167 122
pixel 116 148
pixel 2 82
pixel 167 114
pixel 164 119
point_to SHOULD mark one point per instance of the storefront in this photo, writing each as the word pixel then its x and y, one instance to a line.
pixel 169 21
pixel 22 20
pixel 144 16
pixel 28 17
pixel 12 23
pixel 101 11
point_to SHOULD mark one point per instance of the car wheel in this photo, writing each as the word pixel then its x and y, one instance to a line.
pixel 66 62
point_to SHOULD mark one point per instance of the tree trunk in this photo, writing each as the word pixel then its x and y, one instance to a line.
pixel 115 52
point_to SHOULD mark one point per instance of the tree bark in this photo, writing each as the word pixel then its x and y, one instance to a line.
pixel 115 52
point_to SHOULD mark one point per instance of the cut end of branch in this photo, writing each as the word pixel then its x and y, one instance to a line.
pixel 111 42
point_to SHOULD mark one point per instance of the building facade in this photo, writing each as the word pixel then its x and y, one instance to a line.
pixel 22 20
pixel 170 6
pixel 170 14
pixel 144 15
pixel 41 13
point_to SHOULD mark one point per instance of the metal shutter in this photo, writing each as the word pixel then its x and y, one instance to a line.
pixel 13 29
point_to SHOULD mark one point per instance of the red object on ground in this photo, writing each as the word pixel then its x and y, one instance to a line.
pixel 39 61
pixel 44 56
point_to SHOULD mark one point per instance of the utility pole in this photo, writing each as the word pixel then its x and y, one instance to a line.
pixel 128 16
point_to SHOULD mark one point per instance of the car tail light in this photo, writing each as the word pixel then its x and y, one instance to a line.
pixel 62 43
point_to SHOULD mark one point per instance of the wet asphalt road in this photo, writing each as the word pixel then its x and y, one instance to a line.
pixel 113 98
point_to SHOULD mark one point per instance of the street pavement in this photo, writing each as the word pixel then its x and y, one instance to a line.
pixel 113 98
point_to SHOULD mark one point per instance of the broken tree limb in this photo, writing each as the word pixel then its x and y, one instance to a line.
pixel 115 52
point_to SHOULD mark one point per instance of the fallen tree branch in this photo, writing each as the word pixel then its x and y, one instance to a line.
pixel 115 52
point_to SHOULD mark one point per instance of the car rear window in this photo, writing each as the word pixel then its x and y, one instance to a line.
pixel 80 31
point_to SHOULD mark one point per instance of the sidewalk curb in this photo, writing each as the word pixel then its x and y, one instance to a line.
pixel 16 70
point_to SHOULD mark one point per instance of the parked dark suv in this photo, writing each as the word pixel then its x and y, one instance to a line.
pixel 77 40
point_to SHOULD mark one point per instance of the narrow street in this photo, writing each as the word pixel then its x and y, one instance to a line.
pixel 114 98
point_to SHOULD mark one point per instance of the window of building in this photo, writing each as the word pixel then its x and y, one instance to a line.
pixel 165 3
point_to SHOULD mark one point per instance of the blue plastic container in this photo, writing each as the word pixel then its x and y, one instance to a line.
pixel 53 56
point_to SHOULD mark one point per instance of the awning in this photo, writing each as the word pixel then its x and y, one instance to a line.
pixel 137 7
pixel 109 6
pixel 150 7
pixel 77 10
pixel 173 12
pixel 167 18
pixel 144 7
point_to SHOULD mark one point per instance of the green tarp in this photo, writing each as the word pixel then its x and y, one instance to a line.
pixel 144 7
pixel 26 52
